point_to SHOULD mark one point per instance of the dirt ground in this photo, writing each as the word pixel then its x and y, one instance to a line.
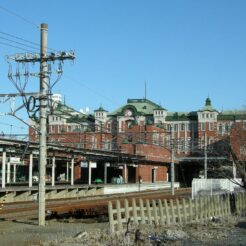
pixel 71 232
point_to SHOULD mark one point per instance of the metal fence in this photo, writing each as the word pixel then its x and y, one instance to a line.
pixel 205 187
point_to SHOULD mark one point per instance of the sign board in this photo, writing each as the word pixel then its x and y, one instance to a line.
pixel 14 160
pixel 84 164
pixel 93 164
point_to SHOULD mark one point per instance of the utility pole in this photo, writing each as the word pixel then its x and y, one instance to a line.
pixel 172 159
pixel 43 124
pixel 205 157
pixel 44 92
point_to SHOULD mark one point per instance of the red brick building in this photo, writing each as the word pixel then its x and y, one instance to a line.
pixel 142 127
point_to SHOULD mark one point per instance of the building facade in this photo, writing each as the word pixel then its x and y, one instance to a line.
pixel 142 127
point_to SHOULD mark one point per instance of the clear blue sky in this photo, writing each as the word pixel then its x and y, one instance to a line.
pixel 185 50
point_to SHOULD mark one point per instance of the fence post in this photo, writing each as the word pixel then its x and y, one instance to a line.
pixel 148 211
pixel 126 205
pixel 196 209
pixel 119 222
pixel 155 212
pixel 222 205
pixel 111 217
pixel 228 204
pixel 142 211
pixel 201 214
pixel 134 209
pixel 161 212
pixel 191 202
pixel 184 210
pixel 178 210
pixel 172 212
pixel 167 212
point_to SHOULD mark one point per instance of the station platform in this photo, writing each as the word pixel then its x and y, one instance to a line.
pixel 23 194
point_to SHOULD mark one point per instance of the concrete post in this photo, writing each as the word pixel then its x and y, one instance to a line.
pixel 105 173
pixel 3 168
pixel 53 171
pixel 89 173
pixel 172 160
pixel 30 169
pixel 43 124
pixel 8 172
pixel 72 172
pixel 125 174
pixel 14 174
pixel 205 157
pixel 67 174
pixel 234 170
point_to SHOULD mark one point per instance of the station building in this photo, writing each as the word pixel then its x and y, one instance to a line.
pixel 144 128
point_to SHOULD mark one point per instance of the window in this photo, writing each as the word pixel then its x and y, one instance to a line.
pixel 203 126
pixel 176 127
pixel 211 126
pixel 109 127
pixel 182 127
pixel 220 129
pixel 227 128
pixel 182 144
pixel 155 138
pixel 107 145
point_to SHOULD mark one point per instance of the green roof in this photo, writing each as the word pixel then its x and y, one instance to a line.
pixel 138 106
pixel 70 114
pixel 181 116
pixel 232 115
pixel 100 109
pixel 208 106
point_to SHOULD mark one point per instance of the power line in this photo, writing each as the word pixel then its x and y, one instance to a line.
pixel 6 124
pixel 19 16
pixel 95 92
pixel 7 39
pixel 22 39
pixel 16 47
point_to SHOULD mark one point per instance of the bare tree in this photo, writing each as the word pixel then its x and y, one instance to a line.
pixel 237 148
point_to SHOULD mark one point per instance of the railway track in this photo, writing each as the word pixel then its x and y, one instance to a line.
pixel 85 206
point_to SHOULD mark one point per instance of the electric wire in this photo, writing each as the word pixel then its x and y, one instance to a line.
pixel 19 16
pixel 90 89
pixel 25 40
pixel 7 39
pixel 6 124
pixel 17 47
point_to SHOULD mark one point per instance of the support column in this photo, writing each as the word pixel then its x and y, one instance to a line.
pixel 89 173
pixel 205 157
pixel 53 171
pixel 234 170
pixel 8 172
pixel 14 174
pixel 105 173
pixel 30 169
pixel 172 161
pixel 72 171
pixel 67 174
pixel 3 168
pixel 125 175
